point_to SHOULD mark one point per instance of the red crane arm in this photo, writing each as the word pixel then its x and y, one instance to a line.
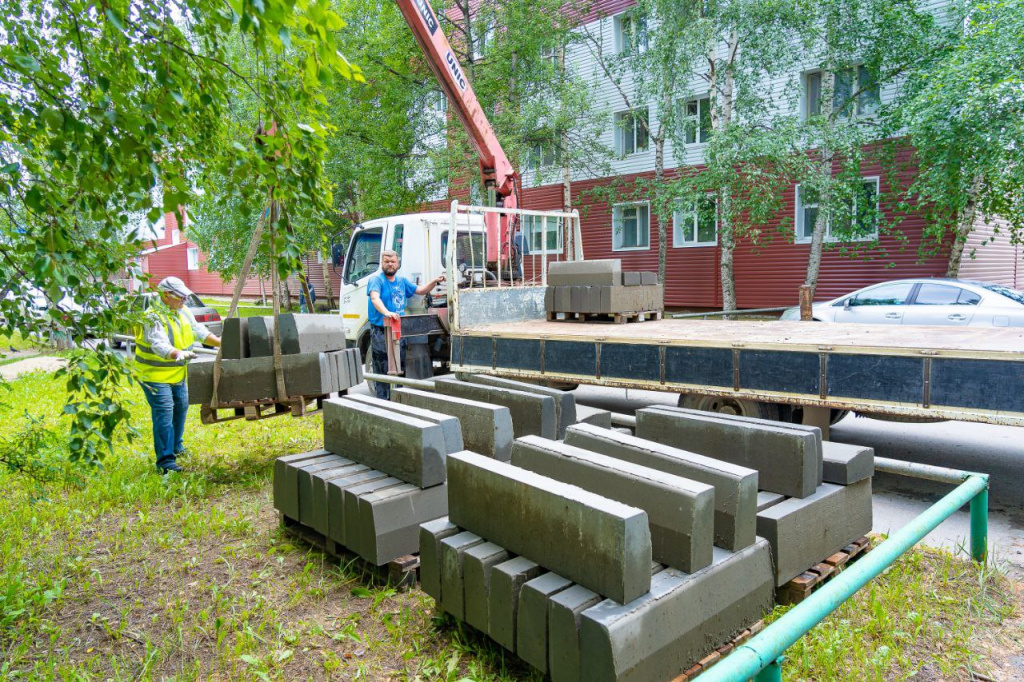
pixel 495 168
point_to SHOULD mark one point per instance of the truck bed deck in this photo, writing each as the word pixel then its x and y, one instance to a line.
pixel 965 373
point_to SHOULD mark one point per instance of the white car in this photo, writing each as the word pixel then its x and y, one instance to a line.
pixel 929 301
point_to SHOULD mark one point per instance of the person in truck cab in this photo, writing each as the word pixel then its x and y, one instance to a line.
pixel 388 292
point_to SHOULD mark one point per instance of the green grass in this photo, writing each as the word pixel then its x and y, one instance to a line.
pixel 17 342
pixel 246 311
pixel 126 574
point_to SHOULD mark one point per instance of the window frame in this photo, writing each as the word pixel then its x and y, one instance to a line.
pixel 692 213
pixel 627 22
pixel 697 132
pixel 798 208
pixel 634 128
pixel 537 156
pixel 192 258
pixel 859 73
pixel 531 229
pixel 617 219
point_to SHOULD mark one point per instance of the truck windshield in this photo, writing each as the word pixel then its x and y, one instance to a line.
pixel 469 249
pixel 363 254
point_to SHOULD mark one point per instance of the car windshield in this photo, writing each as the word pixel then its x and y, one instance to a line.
pixel 193 302
pixel 1012 294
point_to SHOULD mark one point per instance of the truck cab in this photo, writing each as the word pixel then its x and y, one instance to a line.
pixel 421 241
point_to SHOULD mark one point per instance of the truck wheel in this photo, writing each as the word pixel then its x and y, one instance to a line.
pixel 735 406
pixel 364 349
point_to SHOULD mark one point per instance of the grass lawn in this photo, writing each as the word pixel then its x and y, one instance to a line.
pixel 243 311
pixel 125 574
pixel 16 342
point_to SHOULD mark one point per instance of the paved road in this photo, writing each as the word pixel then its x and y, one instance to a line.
pixel 996 450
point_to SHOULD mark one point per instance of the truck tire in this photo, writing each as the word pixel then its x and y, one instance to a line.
pixel 734 406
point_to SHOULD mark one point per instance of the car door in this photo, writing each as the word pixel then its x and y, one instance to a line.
pixel 942 305
pixel 882 304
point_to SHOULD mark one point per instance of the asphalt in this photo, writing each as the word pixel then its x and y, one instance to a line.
pixel 995 450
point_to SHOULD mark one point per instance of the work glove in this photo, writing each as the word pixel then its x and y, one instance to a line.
pixel 185 356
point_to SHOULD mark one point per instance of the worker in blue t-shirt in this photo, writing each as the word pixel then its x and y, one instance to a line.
pixel 388 292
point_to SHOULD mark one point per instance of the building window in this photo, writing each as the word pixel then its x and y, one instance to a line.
pixel 543 234
pixel 856 93
pixel 631 32
pixel 858 220
pixel 631 226
pixel 192 254
pixel 631 131
pixel 549 55
pixel 483 40
pixel 542 155
pixel 697 120
pixel 695 225
pixel 175 236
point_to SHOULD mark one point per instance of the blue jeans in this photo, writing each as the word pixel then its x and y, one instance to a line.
pixel 169 406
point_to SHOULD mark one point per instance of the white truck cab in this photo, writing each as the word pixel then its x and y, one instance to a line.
pixel 421 240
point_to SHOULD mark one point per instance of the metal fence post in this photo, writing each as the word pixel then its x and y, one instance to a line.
pixel 979 526
pixel 772 673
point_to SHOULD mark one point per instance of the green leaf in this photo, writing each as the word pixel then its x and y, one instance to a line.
pixel 361 593
pixel 114 18
pixel 11 168
pixel 285 36
pixel 26 62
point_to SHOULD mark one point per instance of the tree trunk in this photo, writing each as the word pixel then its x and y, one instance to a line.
pixel 721 89
pixel 727 244
pixel 964 227
pixel 328 285
pixel 824 194
pixel 659 177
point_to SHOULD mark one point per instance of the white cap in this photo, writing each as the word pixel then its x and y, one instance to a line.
pixel 173 285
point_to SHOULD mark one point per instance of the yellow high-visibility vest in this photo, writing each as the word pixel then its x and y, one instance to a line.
pixel 151 367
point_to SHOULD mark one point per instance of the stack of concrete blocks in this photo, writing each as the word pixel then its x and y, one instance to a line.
pixel 589 566
pixel 815 496
pixel 380 475
pixel 314 359
pixel 600 286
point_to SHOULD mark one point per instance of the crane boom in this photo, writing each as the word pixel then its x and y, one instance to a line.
pixel 495 168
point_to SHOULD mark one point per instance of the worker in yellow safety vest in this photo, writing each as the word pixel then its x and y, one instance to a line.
pixel 163 348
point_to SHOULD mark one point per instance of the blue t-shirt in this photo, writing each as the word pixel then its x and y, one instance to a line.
pixel 392 295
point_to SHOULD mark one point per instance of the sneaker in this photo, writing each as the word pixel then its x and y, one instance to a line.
pixel 172 467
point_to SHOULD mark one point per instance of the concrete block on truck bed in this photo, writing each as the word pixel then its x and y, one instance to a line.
pixel 800 430
pixel 532 625
pixel 804 532
pixel 486 428
pixel 311 333
pixel 845 464
pixel 532 414
pixel 404 447
pixel 549 300
pixel 357 359
pixel 304 476
pixel 551 522
pixel 577 297
pixel 680 511
pixel 648 278
pixel 787 462
pixel 632 279
pixel 286 486
pixel 585 273
pixel 476 581
pixel 766 499
pixel 682 619
pixel 261 336
pixel 631 299
pixel 564 610
pixel 234 340
pixel 431 535
pixel 389 520
pixel 735 486
pixel 594 416
pixel 453 551
pixel 449 425
pixel 563 299
pixel 565 402
pixel 321 500
pixel 336 499
pixel 507 580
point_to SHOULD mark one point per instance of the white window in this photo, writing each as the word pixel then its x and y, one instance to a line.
pixel 192 254
pixel 631 131
pixel 483 40
pixel 697 120
pixel 543 234
pixel 630 32
pixel 549 55
pixel 857 219
pixel 631 226
pixel 175 236
pixel 856 93
pixel 695 225
pixel 542 155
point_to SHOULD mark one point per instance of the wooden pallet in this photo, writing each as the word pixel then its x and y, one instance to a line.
pixel 801 587
pixel 616 318
pixel 720 653
pixel 253 410
pixel 401 573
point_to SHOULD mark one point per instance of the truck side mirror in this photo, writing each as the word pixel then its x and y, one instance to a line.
pixel 337 255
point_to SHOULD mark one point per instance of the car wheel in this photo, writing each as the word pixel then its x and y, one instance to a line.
pixel 734 406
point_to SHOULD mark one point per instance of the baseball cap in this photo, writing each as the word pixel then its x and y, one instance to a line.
pixel 173 285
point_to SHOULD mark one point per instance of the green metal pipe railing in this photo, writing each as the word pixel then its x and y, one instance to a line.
pixel 760 658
